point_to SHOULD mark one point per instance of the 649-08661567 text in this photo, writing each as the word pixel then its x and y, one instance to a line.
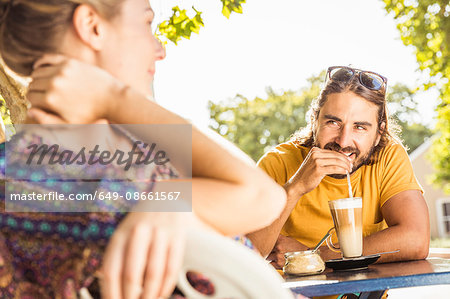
pixel 53 196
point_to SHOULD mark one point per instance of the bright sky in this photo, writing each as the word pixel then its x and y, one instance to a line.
pixel 277 43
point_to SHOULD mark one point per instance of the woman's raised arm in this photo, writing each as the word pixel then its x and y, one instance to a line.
pixel 229 192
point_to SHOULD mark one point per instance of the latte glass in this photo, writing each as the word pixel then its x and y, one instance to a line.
pixel 347 218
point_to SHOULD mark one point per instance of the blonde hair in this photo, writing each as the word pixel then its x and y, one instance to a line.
pixel 28 30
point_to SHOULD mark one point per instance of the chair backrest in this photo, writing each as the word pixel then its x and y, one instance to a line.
pixel 234 270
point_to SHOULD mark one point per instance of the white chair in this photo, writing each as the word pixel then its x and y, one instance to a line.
pixel 234 270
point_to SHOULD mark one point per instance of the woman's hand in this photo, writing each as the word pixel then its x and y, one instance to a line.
pixel 144 255
pixel 71 91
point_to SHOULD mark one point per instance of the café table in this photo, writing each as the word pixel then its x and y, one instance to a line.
pixel 371 282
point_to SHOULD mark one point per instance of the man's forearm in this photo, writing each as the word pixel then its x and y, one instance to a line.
pixel 412 243
pixel 406 214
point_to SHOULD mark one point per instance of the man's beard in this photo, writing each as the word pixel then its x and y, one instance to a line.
pixel 363 160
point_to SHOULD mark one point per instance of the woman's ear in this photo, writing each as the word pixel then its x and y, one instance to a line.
pixel 89 26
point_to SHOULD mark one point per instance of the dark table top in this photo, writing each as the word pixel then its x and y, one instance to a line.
pixel 432 271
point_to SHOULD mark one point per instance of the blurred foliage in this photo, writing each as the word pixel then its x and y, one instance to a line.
pixel 440 243
pixel 425 25
pixel 180 25
pixel 403 107
pixel 257 125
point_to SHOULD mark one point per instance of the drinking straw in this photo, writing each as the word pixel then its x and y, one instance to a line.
pixel 350 192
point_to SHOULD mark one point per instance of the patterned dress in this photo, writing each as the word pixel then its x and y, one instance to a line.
pixel 53 255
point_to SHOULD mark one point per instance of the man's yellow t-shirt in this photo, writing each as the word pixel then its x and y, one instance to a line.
pixel 391 174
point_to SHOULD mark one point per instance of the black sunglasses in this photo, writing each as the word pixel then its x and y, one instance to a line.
pixel 370 80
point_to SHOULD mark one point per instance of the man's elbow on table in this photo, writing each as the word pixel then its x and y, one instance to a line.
pixel 420 236
pixel 419 242
pixel 422 245
pixel 422 253
pixel 407 217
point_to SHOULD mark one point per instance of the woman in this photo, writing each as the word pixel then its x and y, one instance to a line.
pixel 145 251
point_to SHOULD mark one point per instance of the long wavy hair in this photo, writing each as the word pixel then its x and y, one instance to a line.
pixel 389 131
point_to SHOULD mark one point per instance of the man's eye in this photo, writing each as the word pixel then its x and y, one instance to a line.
pixel 332 122
pixel 360 128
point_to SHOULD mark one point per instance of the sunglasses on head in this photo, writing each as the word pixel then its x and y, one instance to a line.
pixel 370 80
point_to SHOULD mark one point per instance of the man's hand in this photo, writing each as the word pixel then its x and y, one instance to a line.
pixel 74 91
pixel 317 164
pixel 144 256
pixel 283 245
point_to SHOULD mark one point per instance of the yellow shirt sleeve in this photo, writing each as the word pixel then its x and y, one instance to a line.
pixel 274 166
pixel 397 174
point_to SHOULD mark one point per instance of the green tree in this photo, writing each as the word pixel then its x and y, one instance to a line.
pixel 403 106
pixel 425 25
pixel 257 125
pixel 180 25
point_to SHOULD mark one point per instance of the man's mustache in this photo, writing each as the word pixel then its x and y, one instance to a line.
pixel 333 146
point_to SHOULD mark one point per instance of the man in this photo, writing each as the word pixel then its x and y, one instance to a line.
pixel 349 132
